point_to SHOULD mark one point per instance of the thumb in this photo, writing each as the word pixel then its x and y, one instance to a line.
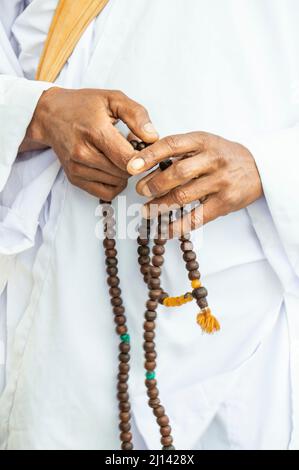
pixel 135 116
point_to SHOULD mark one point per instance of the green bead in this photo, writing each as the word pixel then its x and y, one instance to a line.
pixel 150 375
pixel 125 338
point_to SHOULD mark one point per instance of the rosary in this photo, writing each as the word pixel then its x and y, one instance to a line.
pixel 150 268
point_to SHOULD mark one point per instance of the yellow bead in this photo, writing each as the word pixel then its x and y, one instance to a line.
pixel 196 284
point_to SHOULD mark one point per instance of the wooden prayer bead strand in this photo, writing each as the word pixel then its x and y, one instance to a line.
pixel 121 328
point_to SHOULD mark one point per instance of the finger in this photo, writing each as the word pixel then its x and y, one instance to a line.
pixel 114 145
pixel 171 146
pixel 132 136
pixel 178 173
pixel 91 174
pixel 141 183
pixel 192 191
pixel 91 157
pixel 134 115
pixel 99 190
pixel 190 221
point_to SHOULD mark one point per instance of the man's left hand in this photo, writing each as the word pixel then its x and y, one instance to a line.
pixel 207 168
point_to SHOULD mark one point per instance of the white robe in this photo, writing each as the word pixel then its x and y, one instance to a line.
pixel 226 67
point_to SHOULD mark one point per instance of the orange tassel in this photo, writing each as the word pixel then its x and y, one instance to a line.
pixel 208 323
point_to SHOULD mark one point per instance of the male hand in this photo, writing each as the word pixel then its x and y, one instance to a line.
pixel 79 126
pixel 207 168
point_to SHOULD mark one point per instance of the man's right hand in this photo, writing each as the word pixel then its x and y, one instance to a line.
pixel 79 126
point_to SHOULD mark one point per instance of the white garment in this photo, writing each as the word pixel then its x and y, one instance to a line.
pixel 194 66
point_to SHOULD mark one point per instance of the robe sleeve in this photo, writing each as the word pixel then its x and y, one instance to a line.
pixel 276 216
pixel 25 181
pixel 18 100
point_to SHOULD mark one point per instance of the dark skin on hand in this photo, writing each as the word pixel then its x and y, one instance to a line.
pixel 79 125
pixel 207 168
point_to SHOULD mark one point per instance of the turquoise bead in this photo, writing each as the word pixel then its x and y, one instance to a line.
pixel 150 375
pixel 125 338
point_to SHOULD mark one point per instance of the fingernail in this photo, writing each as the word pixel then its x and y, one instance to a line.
pixel 137 164
pixel 146 191
pixel 149 128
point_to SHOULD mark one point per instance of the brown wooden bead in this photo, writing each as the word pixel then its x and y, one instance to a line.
pixel 153 393
pixel 163 296
pixel 192 265
pixel 124 367
pixel 194 275
pixel 154 283
pixel 149 325
pixel 116 301
pixel 143 250
pixel 154 402
pixel 122 387
pixel 115 291
pixel 108 243
pixel 122 377
pixel 120 319
pixel 113 281
pixel 158 260
pixel 144 260
pixel 124 357
pixel 155 271
pixel 111 253
pixel 154 294
pixel 142 241
pixel 125 436
pixel 158 250
pixel 124 406
pixel 144 269
pixel 150 366
pixel 149 335
pixel 110 233
pixel 149 346
pixel 150 315
pixel 121 329
pixel 163 420
pixel 125 416
pixel 150 383
pixel 150 356
pixel 202 303
pixel 151 305
pixel 124 427
pixel 185 237
pixel 141 146
pixel 166 441
pixel 124 347
pixel 199 293
pixel 146 279
pixel 118 310
pixel 123 396
pixel 112 270
pixel 189 256
pixel 127 446
pixel 187 246
pixel 165 431
pixel 111 261
pixel 160 241
pixel 159 412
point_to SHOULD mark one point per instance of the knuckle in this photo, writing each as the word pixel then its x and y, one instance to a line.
pixel 172 142
pixel 79 152
pixel 181 170
pixel 180 196
pixel 118 95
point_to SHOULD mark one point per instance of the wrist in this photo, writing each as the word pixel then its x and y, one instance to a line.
pixel 37 131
